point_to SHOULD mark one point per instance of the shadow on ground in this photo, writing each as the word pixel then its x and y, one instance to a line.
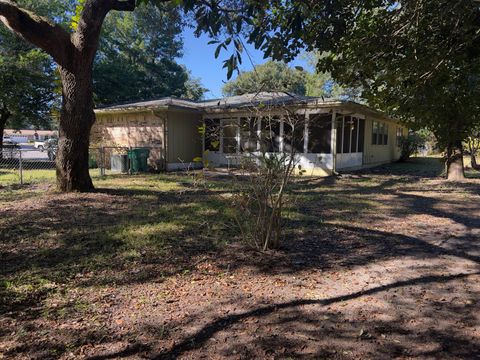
pixel 374 265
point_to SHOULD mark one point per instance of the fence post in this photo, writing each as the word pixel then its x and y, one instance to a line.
pixel 99 161
pixel 129 161
pixel 102 161
pixel 20 166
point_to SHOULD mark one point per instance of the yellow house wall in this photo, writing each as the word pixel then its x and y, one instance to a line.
pixel 378 154
pixel 184 142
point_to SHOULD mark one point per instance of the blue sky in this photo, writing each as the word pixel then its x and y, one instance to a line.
pixel 199 58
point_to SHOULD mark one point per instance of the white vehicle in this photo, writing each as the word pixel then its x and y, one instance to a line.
pixel 40 145
pixel 8 142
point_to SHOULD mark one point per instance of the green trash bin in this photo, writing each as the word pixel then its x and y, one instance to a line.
pixel 138 160
pixel 92 162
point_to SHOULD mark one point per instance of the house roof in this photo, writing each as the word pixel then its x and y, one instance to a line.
pixel 239 102
pixel 264 98
pixel 28 132
pixel 162 103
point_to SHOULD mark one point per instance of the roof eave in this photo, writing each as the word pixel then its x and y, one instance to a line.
pixel 142 109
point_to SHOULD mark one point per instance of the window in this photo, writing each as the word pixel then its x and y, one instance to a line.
pixel 212 134
pixel 270 135
pixel 379 133
pixel 229 128
pixel 294 133
pixel 385 134
pixel 375 129
pixel 319 134
pixel 248 134
pixel 399 136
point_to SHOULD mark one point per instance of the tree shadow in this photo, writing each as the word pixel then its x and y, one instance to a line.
pixel 274 341
pixel 108 237
pixel 126 237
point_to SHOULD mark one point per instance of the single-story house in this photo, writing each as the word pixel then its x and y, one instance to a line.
pixel 23 136
pixel 333 135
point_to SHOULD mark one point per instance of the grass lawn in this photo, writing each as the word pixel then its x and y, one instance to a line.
pixel 382 263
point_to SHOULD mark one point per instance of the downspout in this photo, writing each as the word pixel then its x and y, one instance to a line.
pixel 164 116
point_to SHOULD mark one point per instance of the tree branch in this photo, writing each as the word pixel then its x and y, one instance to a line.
pixel 85 38
pixel 123 5
pixel 37 30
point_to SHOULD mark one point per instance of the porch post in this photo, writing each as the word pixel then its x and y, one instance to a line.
pixel 221 136
pixel 238 135
pixel 358 133
pixel 259 133
pixel 305 133
pixel 204 124
pixel 281 145
pixel 333 142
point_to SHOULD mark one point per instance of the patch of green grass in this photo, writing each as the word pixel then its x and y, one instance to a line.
pixel 143 182
pixel 24 288
pixel 153 216
pixel 10 194
pixel 432 166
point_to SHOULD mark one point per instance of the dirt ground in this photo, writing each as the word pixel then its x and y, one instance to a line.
pixel 375 265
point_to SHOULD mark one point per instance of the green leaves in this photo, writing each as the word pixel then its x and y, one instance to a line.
pixel 231 64
pixel 27 83
pixel 78 13
pixel 271 76
pixel 136 57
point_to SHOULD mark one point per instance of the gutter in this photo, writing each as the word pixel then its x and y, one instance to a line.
pixel 129 110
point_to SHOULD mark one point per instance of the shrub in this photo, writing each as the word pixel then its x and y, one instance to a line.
pixel 259 203
pixel 411 145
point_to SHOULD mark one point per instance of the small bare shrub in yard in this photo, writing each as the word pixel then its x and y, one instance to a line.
pixel 258 205
pixel 265 176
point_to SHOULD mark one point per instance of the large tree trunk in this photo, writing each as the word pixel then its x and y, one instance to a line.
pixel 74 53
pixel 76 120
pixel 4 116
pixel 454 162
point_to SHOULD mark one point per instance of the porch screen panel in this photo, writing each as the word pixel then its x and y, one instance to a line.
pixel 339 135
pixel 229 129
pixel 212 134
pixel 347 134
pixel 354 132
pixel 361 135
pixel 270 136
pixel 294 134
pixel 319 134
pixel 248 134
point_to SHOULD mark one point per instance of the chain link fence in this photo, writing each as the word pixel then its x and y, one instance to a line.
pixel 20 166
pixel 25 166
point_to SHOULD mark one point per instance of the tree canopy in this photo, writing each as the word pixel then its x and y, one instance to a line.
pixel 416 60
pixel 27 80
pixel 137 57
pixel 278 76
pixel 271 76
